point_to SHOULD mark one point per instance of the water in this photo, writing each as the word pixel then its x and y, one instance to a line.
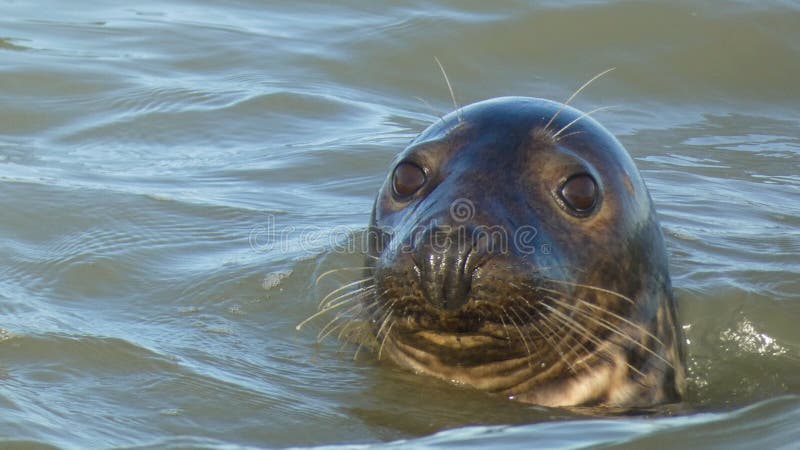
pixel 172 174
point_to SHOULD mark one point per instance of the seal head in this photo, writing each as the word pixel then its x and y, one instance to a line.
pixel 514 248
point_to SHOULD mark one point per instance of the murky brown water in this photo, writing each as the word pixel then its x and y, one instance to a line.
pixel 145 149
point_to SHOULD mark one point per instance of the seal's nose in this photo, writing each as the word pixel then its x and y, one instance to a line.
pixel 445 256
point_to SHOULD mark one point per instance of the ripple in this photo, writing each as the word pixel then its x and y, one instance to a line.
pixel 9 43
pixel 141 147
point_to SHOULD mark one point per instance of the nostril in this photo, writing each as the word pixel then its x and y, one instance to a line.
pixel 446 271
pixel 458 281
pixel 456 289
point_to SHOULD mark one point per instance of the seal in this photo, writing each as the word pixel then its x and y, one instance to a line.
pixel 514 248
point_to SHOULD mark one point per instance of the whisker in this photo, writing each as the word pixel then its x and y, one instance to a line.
pixel 348 328
pixel 360 292
pixel 355 355
pixel 326 331
pixel 431 109
pixel 575 94
pixel 348 342
pixel 586 114
pixel 334 324
pixel 450 88
pixel 624 320
pixel 546 321
pixel 577 328
pixel 556 346
pixel 505 327
pixel 532 322
pixel 561 138
pixel 616 330
pixel 386 316
pixel 572 326
pixel 343 287
pixel 376 301
pixel 385 337
pixel 626 363
pixel 544 289
pixel 558 333
pixel 586 286
pixel 563 339
pixel 323 311
pixel 521 334
pixel 341 269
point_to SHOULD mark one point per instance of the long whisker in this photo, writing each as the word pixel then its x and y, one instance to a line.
pixel 561 138
pixel 361 326
pixel 575 94
pixel 624 320
pixel 347 329
pixel 344 299
pixel 358 349
pixel 556 346
pixel 450 88
pixel 352 338
pixel 577 328
pixel 586 286
pixel 343 287
pixel 505 327
pixel 386 311
pixel 521 335
pixel 430 108
pixel 362 292
pixel 341 269
pixel 614 329
pixel 586 114
pixel 324 311
pixel 532 321
pixel 589 335
pixel 386 320
pixel 606 324
pixel 334 324
pixel 367 310
pixel 385 337
pixel 376 301
pixel 532 324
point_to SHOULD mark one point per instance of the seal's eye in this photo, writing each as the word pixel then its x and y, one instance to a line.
pixel 407 179
pixel 579 193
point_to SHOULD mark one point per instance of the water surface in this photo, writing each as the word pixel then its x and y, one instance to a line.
pixel 172 174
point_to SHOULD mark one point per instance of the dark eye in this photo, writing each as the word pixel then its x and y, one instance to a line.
pixel 580 193
pixel 407 179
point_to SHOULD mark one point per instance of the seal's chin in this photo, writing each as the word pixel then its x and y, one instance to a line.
pixel 525 370
pixel 495 354
pixel 483 361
